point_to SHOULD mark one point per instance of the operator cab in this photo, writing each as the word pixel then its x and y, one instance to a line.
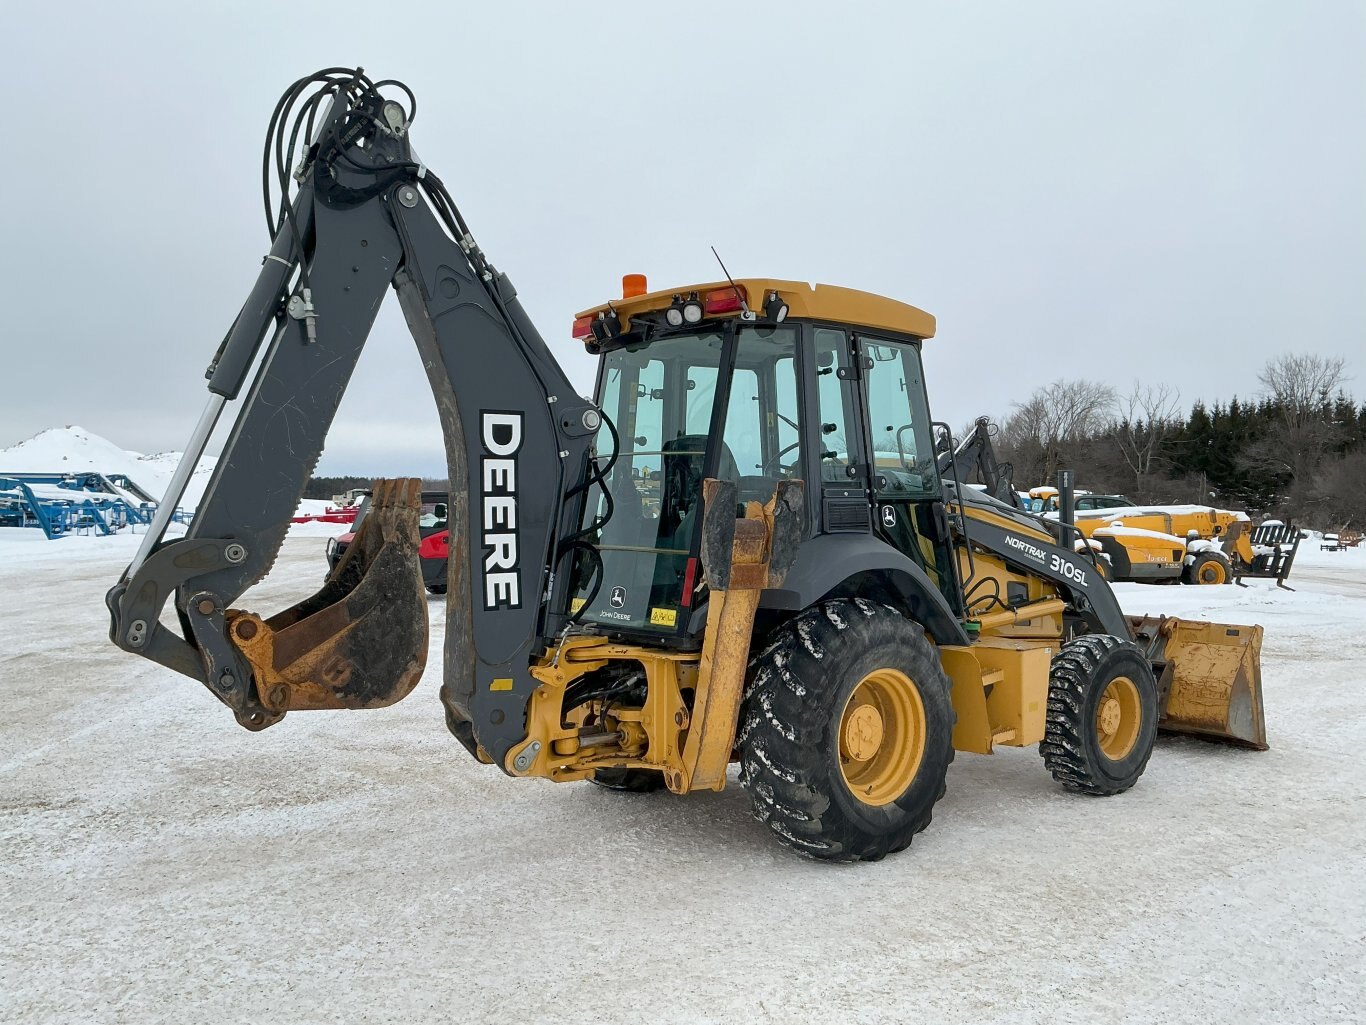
pixel 755 382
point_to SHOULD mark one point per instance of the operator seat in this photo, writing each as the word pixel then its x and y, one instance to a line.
pixel 681 497
pixel 681 506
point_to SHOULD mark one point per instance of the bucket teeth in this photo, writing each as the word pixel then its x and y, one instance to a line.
pixel 361 641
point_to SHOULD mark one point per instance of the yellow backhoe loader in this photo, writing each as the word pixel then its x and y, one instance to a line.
pixel 743 549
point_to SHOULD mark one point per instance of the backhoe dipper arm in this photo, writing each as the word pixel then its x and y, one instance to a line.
pixel 976 454
pixel 519 442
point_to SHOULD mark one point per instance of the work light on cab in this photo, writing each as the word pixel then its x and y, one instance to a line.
pixel 683 311
pixel 607 325
pixel 600 326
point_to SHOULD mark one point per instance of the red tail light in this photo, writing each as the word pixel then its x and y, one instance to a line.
pixel 435 546
pixel 689 582
pixel 583 327
pixel 725 300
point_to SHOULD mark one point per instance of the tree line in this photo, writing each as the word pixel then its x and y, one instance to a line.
pixel 1297 451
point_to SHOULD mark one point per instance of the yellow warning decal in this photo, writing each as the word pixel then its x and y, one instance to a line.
pixel 577 604
pixel 502 684
pixel 664 617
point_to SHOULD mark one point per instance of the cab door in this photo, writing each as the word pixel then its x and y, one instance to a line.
pixel 902 474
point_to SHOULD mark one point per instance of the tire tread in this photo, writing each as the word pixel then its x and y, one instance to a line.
pixel 784 726
pixel 1068 746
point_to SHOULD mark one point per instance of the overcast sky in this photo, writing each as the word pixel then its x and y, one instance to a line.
pixel 1171 191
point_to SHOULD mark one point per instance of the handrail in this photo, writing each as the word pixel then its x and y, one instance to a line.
pixel 962 512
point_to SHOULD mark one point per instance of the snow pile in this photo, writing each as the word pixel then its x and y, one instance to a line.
pixel 74 449
pixel 54 493
pixel 1120 530
pixel 1154 510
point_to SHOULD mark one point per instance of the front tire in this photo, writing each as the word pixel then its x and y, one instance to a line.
pixel 1102 715
pixel 847 732
pixel 1209 568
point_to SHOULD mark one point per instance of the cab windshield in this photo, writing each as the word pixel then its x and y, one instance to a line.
pixel 665 398
pixel 433 514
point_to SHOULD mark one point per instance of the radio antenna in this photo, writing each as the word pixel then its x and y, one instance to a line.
pixel 744 307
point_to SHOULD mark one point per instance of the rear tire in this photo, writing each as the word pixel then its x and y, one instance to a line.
pixel 1102 715
pixel 1208 568
pixel 846 732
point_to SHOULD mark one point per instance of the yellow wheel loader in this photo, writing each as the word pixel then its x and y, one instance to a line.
pixel 1165 543
pixel 742 549
pixel 1190 543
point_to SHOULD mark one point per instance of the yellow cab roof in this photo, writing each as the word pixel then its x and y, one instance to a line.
pixel 812 302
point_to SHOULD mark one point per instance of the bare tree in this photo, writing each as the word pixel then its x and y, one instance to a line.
pixel 1300 385
pixel 1147 416
pixel 1303 382
pixel 1020 432
pixel 1339 492
pixel 1064 413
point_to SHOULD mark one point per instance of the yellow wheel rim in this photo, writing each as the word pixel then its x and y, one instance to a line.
pixel 1212 572
pixel 1118 718
pixel 882 737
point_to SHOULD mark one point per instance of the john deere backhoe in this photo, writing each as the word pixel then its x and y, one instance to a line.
pixel 742 549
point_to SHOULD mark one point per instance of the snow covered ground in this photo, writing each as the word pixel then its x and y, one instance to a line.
pixel 159 864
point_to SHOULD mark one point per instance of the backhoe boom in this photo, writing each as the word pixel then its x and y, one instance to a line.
pixel 517 436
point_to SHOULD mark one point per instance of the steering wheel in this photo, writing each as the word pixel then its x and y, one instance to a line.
pixel 775 460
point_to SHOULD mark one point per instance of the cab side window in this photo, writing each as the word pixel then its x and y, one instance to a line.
pixel 832 356
pixel 898 416
pixel 762 440
pixel 744 433
pixel 697 403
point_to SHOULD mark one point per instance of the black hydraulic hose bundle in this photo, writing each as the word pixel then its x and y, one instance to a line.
pixel 364 105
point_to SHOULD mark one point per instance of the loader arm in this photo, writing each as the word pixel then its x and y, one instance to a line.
pixel 367 216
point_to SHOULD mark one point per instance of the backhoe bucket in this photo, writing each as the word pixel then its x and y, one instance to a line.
pixel 361 641
pixel 1209 677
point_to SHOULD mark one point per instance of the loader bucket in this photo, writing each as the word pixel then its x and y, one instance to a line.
pixel 361 641
pixel 1209 677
